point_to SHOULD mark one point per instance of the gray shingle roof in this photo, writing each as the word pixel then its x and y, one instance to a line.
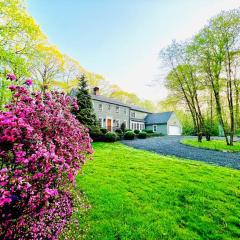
pixel 137 108
pixel 107 100
pixel 111 100
pixel 115 101
pixel 158 118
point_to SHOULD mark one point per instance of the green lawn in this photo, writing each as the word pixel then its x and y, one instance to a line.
pixel 135 194
pixel 218 145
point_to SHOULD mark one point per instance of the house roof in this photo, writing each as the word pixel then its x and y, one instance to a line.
pixel 112 101
pixel 137 108
pixel 108 100
pixel 158 118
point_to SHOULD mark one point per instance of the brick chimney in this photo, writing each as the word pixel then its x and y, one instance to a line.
pixel 96 91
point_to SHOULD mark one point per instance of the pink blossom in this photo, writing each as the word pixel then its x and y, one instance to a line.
pixel 43 146
pixel 12 88
pixel 71 177
pixel 3 201
pixel 11 76
pixel 51 192
pixel 38 176
pixel 29 82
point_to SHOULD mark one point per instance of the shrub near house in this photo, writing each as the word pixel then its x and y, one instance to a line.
pixel 129 135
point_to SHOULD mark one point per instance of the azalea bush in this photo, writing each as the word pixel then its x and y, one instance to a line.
pixel 5 81
pixel 42 147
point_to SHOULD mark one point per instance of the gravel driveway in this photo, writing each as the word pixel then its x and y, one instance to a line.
pixel 170 145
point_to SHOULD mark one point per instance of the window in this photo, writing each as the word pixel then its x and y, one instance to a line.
pixel 125 111
pixel 154 128
pixel 133 115
pixel 100 122
pixel 117 109
pixel 100 107
pixel 109 107
pixel 117 123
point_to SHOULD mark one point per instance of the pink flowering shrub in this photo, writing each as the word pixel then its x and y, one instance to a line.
pixel 42 147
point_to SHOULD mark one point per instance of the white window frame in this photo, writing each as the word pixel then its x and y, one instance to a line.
pixel 154 126
pixel 100 109
pixel 133 114
pixel 117 123
pixel 109 107
pixel 117 109
pixel 125 111
pixel 100 123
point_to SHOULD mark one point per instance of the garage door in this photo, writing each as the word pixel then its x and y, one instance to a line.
pixel 174 130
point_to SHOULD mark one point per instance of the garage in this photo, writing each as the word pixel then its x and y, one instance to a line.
pixel 174 130
pixel 165 123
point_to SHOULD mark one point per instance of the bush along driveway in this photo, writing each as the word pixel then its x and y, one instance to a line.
pixel 170 145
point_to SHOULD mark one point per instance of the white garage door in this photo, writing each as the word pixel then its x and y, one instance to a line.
pixel 174 130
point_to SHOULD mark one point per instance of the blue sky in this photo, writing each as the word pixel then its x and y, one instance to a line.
pixel 121 39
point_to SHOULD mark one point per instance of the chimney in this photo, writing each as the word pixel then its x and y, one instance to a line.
pixel 96 91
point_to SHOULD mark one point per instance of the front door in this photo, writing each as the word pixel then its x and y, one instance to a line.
pixel 109 125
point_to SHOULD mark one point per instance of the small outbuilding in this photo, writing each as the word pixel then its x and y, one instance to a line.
pixel 166 123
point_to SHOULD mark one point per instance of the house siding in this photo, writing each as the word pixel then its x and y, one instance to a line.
pixel 137 119
pixel 112 114
pixel 161 128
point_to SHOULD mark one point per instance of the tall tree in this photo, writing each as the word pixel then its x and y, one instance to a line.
pixel 183 80
pixel 215 45
pixel 85 114
pixel 49 66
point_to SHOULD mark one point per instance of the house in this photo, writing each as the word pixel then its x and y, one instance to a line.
pixel 111 113
pixel 164 122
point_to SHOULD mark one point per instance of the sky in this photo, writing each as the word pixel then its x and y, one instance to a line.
pixel 121 39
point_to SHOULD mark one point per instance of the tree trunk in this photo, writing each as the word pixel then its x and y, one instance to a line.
pixel 230 97
pixel 219 113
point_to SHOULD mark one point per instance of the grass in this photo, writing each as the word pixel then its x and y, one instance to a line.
pixel 136 194
pixel 218 145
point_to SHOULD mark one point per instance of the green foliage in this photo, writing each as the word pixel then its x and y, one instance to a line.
pixel 211 127
pixel 96 134
pixel 85 114
pixel 103 130
pixel 111 137
pixel 147 130
pixel 5 93
pixel 123 127
pixel 217 145
pixel 129 135
pixel 136 131
pixel 188 129
pixel 142 135
pixel 119 131
pixel 136 194
pixel 155 134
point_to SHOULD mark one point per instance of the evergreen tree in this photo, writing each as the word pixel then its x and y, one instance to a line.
pixel 85 114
